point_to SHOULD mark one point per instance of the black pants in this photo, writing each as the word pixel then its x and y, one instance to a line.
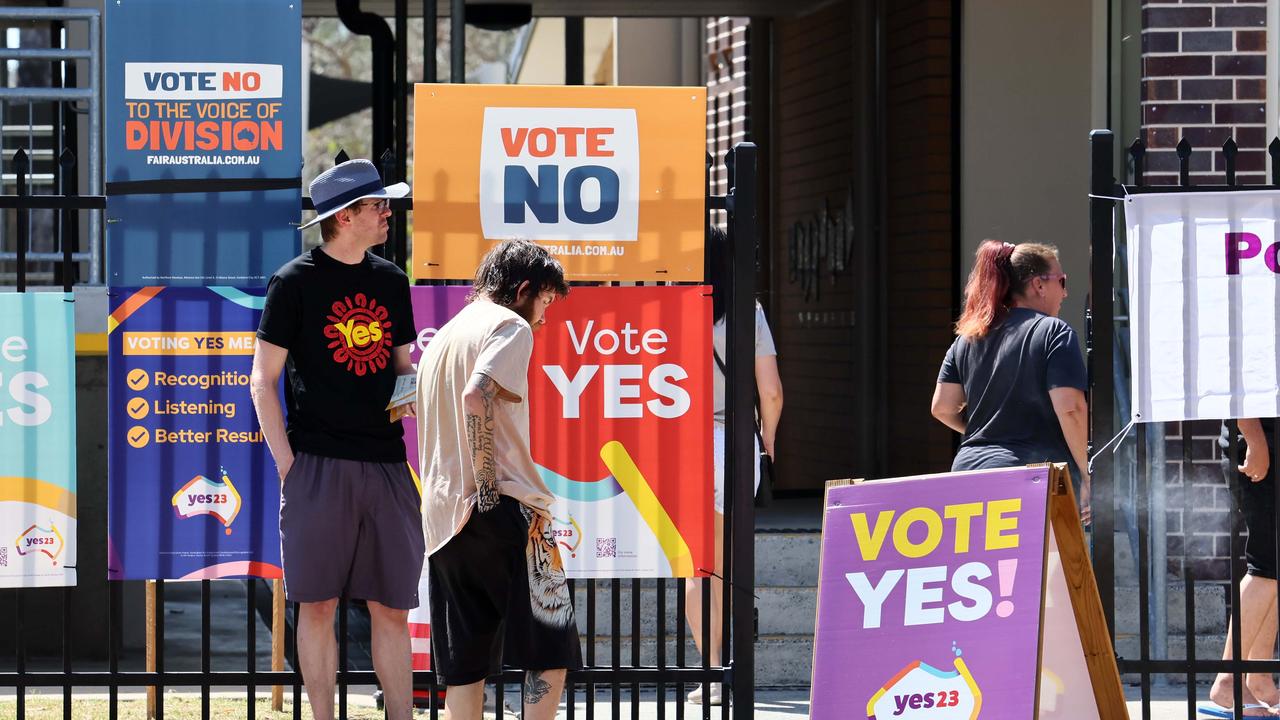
pixel 1256 502
pixel 499 597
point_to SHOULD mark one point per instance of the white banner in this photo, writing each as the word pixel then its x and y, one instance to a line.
pixel 1203 304
pixel 560 174
pixel 202 81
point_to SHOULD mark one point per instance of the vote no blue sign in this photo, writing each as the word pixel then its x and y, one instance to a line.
pixel 203 138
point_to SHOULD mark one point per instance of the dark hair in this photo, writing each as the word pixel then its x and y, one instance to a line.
pixel 512 263
pixel 1000 271
pixel 329 227
pixel 717 249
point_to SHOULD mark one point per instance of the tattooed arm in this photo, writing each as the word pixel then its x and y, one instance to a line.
pixel 477 401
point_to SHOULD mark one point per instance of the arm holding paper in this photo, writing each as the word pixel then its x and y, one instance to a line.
pixel 406 391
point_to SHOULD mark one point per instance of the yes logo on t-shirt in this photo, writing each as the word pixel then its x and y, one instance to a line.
pixel 360 334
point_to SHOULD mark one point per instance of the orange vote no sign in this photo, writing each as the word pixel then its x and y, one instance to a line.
pixel 611 180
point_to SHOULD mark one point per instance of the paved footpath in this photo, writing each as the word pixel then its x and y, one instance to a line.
pixel 1168 703
pixel 770 705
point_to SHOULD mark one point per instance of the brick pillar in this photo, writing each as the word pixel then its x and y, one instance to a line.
pixel 728 80
pixel 1204 78
pixel 1199 506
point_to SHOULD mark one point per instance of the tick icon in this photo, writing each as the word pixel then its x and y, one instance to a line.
pixel 137 379
pixel 139 436
pixel 138 408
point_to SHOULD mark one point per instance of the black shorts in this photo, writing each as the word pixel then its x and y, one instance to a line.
pixel 1256 502
pixel 499 597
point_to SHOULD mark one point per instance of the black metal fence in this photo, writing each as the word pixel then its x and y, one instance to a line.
pixel 617 660
pixel 1130 501
pixel 617 672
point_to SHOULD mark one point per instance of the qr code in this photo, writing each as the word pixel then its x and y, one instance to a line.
pixel 606 547
pixel 4 556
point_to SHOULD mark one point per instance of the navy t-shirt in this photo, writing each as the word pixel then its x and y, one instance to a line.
pixel 340 323
pixel 1006 377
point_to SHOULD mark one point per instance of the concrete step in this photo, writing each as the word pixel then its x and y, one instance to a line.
pixel 781 661
pixel 787 559
pixel 1208 647
pixel 782 559
pixel 1211 608
pixel 782 610
pixel 787 610
pixel 786 580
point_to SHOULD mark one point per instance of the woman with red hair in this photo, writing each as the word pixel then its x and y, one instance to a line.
pixel 1013 381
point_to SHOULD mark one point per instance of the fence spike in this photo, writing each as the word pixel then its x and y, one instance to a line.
pixel 1229 151
pixel 1184 162
pixel 1273 150
pixel 1138 154
pixel 341 157
pixel 67 158
pixel 21 163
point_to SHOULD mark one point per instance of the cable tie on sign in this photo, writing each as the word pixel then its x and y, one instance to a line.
pixel 1114 441
pixel 1127 197
pixel 730 583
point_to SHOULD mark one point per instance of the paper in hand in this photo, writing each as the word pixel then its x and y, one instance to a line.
pixel 403 397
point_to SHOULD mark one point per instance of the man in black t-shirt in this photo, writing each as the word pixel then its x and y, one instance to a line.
pixel 338 319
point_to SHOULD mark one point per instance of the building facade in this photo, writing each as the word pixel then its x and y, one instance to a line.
pixel 897 136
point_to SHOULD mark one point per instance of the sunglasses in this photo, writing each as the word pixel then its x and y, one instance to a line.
pixel 378 205
pixel 1061 277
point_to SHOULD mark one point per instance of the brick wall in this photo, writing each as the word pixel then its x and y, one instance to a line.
pixel 920 251
pixel 728 82
pixel 1198 502
pixel 813 163
pixel 813 134
pixel 1204 78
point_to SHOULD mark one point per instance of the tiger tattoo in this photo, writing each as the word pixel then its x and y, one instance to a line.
pixel 548 589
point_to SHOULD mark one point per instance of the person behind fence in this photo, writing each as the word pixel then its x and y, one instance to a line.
pixel 498 591
pixel 1252 483
pixel 769 394
pixel 1013 381
pixel 339 320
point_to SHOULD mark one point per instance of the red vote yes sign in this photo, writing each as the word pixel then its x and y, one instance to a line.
pixel 620 401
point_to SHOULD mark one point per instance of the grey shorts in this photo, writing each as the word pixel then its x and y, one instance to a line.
pixel 351 527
